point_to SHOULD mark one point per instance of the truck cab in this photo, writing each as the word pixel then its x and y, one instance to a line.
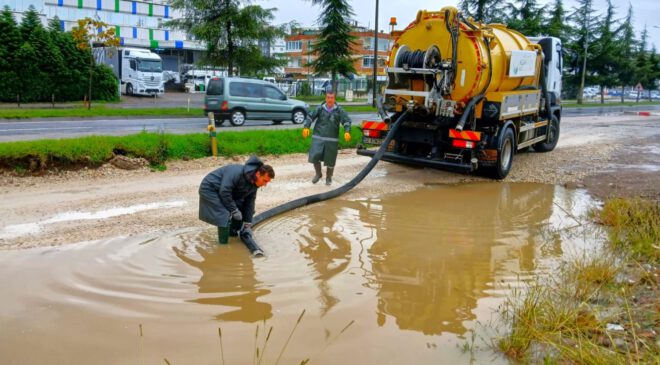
pixel 141 72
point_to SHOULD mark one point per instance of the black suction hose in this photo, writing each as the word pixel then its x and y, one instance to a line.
pixel 247 238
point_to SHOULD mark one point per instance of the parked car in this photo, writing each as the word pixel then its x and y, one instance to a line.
pixel 239 99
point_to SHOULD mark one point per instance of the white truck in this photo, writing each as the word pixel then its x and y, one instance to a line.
pixel 140 71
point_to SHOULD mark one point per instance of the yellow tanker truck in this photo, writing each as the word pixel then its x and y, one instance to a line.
pixel 473 94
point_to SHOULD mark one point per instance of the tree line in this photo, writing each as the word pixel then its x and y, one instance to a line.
pixel 40 63
pixel 600 48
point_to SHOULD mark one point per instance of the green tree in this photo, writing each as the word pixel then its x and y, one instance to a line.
pixel 48 59
pixel 582 43
pixel 334 44
pixel 484 11
pixel 556 24
pixel 648 69
pixel 11 42
pixel 88 32
pixel 627 43
pixel 231 32
pixel 606 60
pixel 525 16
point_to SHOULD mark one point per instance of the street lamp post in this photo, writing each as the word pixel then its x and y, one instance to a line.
pixel 373 102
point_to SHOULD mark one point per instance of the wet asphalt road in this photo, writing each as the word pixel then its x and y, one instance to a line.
pixel 53 128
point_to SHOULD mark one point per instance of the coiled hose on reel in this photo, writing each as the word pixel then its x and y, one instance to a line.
pixel 252 245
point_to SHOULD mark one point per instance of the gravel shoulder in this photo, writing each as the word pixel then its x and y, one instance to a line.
pixel 608 156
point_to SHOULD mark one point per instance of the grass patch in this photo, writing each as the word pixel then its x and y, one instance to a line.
pixel 596 309
pixel 634 226
pixel 157 148
pixel 96 111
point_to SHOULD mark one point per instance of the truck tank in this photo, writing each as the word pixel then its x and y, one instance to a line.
pixel 459 60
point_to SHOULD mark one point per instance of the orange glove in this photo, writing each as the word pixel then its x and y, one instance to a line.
pixel 305 132
pixel 347 137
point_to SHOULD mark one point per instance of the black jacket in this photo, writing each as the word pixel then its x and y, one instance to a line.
pixel 226 189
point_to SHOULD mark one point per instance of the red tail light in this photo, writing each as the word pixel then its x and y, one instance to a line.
pixel 225 105
pixel 371 133
pixel 459 143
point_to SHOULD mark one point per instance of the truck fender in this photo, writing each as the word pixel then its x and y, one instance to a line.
pixel 498 139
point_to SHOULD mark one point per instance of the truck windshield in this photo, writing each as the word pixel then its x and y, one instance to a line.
pixel 150 66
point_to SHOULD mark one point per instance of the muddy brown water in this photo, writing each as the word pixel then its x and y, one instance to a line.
pixel 417 278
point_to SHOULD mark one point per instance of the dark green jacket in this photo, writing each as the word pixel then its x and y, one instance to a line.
pixel 325 137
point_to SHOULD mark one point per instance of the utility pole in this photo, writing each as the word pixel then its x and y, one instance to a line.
pixel 373 102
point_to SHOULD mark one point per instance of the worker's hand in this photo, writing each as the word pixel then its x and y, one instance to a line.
pixel 247 228
pixel 347 137
pixel 305 132
pixel 237 215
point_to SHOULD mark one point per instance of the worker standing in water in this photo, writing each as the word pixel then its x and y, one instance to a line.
pixel 325 144
pixel 227 196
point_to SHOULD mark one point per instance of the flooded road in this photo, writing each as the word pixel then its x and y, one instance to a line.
pixel 408 278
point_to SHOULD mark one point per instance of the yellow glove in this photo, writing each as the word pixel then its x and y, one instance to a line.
pixel 347 137
pixel 305 132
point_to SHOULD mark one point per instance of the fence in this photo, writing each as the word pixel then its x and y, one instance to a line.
pixel 347 89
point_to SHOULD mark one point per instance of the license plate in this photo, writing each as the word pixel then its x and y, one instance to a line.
pixel 370 140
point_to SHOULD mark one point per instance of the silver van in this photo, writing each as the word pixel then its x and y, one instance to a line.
pixel 238 99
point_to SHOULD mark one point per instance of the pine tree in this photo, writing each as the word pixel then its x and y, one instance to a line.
pixel 333 47
pixel 11 42
pixel 606 59
pixel 556 25
pixel 627 44
pixel 582 44
pixel 231 32
pixel 525 16
pixel 483 11
pixel 48 61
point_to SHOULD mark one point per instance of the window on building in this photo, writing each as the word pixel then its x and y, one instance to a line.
pixel 293 45
pixel 368 61
pixel 294 62
pixel 383 44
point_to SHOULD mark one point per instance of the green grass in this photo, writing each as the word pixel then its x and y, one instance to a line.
pixel 95 111
pixel 634 226
pixel 563 319
pixel 156 148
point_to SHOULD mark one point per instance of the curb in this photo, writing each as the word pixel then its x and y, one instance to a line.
pixel 644 114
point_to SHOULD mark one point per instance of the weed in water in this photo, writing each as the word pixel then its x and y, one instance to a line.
pixel 634 226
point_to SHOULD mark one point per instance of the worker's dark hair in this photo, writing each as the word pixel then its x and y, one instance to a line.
pixel 330 92
pixel 266 169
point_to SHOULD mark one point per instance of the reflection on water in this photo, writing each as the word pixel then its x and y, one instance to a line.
pixel 414 271
pixel 230 281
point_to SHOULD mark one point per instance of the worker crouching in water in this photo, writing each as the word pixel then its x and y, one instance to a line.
pixel 227 196
pixel 325 144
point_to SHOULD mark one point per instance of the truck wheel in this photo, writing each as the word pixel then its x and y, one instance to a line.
pixel 219 122
pixel 505 155
pixel 129 89
pixel 237 118
pixel 554 137
pixel 298 116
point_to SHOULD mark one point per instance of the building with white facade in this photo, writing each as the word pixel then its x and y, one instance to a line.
pixel 138 24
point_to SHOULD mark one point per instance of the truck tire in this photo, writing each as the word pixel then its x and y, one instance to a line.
pixel 237 118
pixel 219 122
pixel 505 155
pixel 554 137
pixel 298 116
pixel 129 89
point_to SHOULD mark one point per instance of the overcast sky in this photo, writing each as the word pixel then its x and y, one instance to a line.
pixel 302 11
